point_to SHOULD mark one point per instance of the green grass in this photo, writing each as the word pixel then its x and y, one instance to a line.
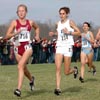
pixel 44 74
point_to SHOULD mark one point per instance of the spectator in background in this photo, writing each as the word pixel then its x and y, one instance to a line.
pixel 96 48
pixel 36 52
pixel 54 48
pixel 5 51
pixel 96 45
pixel 1 49
pixel 11 55
pixel 51 50
pixel 44 50
pixel 77 49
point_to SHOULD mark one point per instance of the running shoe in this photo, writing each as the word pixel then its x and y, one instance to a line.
pixel 81 79
pixel 75 71
pixel 94 71
pixel 57 91
pixel 32 83
pixel 17 92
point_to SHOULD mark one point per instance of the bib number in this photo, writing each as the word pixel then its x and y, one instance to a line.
pixel 24 35
pixel 28 46
pixel 64 37
pixel 85 44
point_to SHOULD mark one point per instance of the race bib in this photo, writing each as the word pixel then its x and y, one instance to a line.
pixel 84 44
pixel 28 46
pixel 24 35
pixel 64 37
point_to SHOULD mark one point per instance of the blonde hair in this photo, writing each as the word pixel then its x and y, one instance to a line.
pixel 22 5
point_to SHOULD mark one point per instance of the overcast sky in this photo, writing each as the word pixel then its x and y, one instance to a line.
pixel 44 10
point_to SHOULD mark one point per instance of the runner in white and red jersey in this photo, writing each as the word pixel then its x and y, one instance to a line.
pixel 19 31
pixel 22 40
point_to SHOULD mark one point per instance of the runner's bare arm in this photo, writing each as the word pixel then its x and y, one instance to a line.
pixel 37 30
pixel 10 33
pixel 74 26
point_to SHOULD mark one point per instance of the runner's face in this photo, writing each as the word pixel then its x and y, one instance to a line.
pixel 85 27
pixel 21 12
pixel 63 15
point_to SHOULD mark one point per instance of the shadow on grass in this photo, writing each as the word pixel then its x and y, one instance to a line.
pixel 73 89
pixel 91 80
pixel 35 92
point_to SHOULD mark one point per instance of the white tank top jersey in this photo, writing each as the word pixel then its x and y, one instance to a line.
pixel 63 38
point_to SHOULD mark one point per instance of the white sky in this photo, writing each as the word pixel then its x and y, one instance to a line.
pixel 44 10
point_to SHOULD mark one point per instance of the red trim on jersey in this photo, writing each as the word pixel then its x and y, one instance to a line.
pixel 21 48
pixel 19 25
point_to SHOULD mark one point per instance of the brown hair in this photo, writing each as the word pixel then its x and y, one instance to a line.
pixel 87 24
pixel 22 5
pixel 66 9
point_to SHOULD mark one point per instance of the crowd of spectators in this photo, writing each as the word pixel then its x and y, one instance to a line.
pixel 43 51
pixel 6 52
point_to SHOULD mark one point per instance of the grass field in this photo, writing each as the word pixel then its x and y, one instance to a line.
pixel 44 74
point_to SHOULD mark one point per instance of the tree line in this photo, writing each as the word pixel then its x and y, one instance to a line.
pixel 45 28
